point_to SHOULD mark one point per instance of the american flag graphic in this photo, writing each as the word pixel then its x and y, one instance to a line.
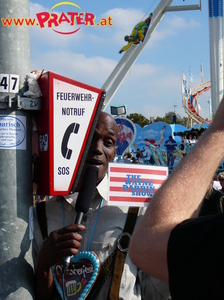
pixel 133 184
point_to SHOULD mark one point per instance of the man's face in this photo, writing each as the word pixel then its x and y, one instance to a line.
pixel 103 146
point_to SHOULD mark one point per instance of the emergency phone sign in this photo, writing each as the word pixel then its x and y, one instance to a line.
pixel 67 120
pixel 73 108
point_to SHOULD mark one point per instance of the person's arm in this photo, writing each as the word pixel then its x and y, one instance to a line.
pixel 61 243
pixel 179 198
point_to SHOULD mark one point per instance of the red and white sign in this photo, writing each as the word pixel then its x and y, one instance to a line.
pixel 72 113
pixel 134 184
pixel 65 127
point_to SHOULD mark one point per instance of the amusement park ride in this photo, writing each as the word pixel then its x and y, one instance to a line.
pixel 191 104
pixel 216 59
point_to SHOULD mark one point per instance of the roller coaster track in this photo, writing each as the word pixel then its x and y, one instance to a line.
pixel 188 103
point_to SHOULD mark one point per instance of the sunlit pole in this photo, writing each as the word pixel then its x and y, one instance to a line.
pixel 16 279
pixel 215 10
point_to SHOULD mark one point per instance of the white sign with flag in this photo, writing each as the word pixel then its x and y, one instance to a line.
pixel 134 184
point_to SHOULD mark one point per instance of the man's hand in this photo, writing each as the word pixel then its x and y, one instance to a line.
pixel 60 243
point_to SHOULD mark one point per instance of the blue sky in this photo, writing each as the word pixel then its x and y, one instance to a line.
pixel 153 85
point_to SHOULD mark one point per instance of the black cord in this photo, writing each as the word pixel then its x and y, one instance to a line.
pixel 63 286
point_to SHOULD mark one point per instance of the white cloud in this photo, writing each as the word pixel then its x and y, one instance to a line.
pixel 92 70
pixel 170 27
pixel 125 19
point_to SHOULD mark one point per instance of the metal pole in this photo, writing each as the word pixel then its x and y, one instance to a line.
pixel 16 279
pixel 215 11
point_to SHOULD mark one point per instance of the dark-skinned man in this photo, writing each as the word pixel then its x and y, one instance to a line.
pixel 101 227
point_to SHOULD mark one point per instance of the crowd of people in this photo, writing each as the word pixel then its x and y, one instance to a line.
pixel 176 250
pixel 133 157
pixel 170 145
pixel 174 149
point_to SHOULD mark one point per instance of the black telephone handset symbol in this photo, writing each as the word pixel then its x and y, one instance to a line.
pixel 72 128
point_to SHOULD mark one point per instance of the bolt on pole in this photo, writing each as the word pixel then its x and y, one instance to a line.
pixel 16 280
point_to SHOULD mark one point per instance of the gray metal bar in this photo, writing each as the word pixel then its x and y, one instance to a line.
pixel 182 8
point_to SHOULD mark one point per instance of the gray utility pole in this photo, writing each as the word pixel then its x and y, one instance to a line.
pixel 16 271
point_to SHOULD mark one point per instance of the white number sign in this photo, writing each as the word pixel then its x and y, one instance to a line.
pixel 9 83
